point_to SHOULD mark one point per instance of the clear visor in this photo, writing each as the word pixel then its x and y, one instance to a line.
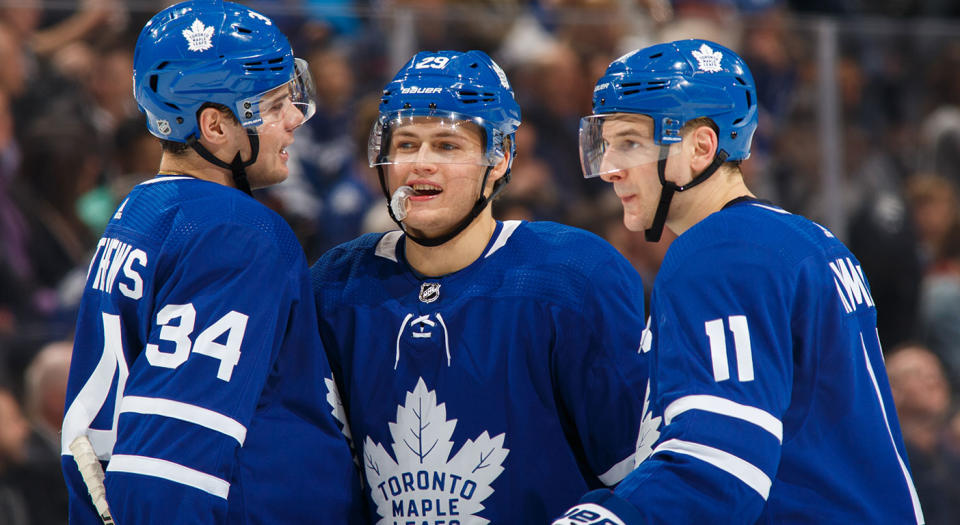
pixel 618 141
pixel 294 101
pixel 433 138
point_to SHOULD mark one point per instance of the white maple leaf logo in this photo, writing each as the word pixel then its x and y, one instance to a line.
pixel 199 37
pixel 336 403
pixel 707 59
pixel 649 430
pixel 422 483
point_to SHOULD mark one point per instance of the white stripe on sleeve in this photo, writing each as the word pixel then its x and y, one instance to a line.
pixel 725 407
pixel 170 471
pixel 190 413
pixel 725 461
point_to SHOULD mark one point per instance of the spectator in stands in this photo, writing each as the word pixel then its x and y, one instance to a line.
pixel 13 436
pixel 922 397
pixel 45 387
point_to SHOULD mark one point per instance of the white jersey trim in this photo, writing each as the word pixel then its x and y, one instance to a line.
pixel 917 511
pixel 725 461
pixel 508 228
pixel 387 246
pixel 725 407
pixel 771 208
pixel 164 179
pixel 619 471
pixel 169 471
pixel 185 412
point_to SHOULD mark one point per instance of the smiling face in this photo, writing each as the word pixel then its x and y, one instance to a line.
pixel 443 164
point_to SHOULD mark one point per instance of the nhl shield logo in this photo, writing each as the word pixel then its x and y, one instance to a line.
pixel 429 292
pixel 163 127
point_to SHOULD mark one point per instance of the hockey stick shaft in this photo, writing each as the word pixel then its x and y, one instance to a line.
pixel 92 473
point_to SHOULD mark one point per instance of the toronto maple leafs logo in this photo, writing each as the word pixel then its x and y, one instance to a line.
pixel 649 430
pixel 707 59
pixel 423 483
pixel 336 404
pixel 199 37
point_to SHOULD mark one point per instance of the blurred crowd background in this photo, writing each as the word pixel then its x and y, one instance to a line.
pixel 859 130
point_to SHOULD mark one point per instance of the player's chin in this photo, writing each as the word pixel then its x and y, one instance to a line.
pixel 635 223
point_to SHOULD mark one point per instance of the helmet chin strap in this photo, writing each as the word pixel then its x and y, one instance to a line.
pixel 237 167
pixel 478 207
pixel 668 188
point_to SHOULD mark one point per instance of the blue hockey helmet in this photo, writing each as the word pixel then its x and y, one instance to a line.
pixel 674 83
pixel 452 87
pixel 210 51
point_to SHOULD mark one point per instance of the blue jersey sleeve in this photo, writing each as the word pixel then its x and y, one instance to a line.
pixel 723 368
pixel 601 373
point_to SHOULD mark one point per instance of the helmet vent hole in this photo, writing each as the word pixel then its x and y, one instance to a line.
pixel 153 83
pixel 474 65
pixel 656 55
pixel 276 60
pixel 749 100
pixel 243 30
pixel 739 120
pixel 173 106
pixel 740 80
pixel 163 64
pixel 631 92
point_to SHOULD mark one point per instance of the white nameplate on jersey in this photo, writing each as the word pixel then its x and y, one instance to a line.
pixel 588 514
pixel 112 258
pixel 851 285
pixel 423 484
pixel 429 292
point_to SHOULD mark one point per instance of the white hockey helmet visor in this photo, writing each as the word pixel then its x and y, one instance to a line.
pixel 614 142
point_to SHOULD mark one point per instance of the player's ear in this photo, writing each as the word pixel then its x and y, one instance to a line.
pixel 500 169
pixel 703 144
pixel 213 125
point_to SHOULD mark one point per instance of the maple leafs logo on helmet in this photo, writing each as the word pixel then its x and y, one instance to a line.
pixel 707 59
pixel 199 37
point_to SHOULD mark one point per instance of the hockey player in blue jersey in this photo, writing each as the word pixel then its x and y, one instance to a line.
pixel 768 402
pixel 490 370
pixel 198 377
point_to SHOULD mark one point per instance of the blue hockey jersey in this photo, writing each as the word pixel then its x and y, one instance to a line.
pixel 495 394
pixel 198 373
pixel 769 399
